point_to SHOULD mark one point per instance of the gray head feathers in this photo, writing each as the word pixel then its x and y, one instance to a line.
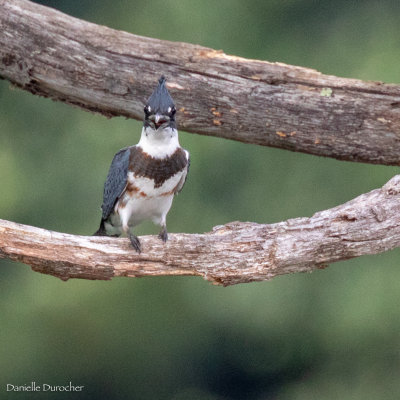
pixel 160 108
pixel 160 101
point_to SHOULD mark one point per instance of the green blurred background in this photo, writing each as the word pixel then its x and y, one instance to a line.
pixel 332 334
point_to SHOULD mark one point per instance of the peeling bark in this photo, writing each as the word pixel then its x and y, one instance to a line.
pixel 112 72
pixel 237 252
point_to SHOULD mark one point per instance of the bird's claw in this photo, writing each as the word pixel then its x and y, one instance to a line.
pixel 135 243
pixel 163 235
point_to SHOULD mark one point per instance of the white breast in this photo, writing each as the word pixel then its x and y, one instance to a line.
pixel 148 202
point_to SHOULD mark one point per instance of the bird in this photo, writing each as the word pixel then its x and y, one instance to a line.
pixel 143 179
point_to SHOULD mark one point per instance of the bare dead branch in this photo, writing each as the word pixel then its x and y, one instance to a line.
pixel 112 72
pixel 233 253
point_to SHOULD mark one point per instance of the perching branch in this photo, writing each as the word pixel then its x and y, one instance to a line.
pixel 234 253
pixel 112 72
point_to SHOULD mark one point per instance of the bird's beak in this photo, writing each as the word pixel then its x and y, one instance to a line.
pixel 159 120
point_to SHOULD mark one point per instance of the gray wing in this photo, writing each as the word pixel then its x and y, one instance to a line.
pixel 116 181
pixel 179 187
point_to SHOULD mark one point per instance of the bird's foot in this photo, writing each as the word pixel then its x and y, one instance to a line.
pixel 135 243
pixel 163 235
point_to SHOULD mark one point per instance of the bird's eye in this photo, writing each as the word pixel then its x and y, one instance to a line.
pixel 147 110
pixel 172 110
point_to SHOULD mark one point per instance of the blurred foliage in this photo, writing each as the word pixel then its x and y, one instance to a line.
pixel 326 335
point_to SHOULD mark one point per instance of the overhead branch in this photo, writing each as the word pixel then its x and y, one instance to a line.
pixel 112 72
pixel 233 253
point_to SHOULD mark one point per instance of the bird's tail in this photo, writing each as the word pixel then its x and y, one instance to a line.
pixel 102 230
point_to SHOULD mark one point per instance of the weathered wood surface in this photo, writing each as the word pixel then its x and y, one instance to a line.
pixel 230 254
pixel 112 72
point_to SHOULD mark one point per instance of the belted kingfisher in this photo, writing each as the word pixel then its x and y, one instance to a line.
pixel 143 179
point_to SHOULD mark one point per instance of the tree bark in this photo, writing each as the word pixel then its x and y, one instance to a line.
pixel 233 253
pixel 112 72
